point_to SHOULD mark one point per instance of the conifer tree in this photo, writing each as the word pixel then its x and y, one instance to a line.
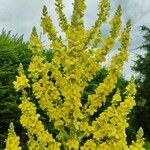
pixel 57 86
pixel 141 113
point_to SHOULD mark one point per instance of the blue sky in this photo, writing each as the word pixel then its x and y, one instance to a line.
pixel 20 16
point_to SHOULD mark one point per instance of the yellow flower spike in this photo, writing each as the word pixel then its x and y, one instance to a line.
pixel 96 39
pixel 108 43
pixel 103 89
pixel 94 33
pixel 35 45
pixel 104 7
pixel 62 18
pixel 37 67
pixel 116 98
pixel 47 25
pixel 22 81
pixel 72 144
pixel 125 36
pixel 32 143
pixel 30 121
pixel 115 122
pixel 131 88
pixel 76 38
pixel 115 23
pixel 89 145
pixel 20 69
pixel 78 13
pixel 139 134
pixel 139 143
pixel 12 141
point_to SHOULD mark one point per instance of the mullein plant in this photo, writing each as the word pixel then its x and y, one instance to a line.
pixel 58 86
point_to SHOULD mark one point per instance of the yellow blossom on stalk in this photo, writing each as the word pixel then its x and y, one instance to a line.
pixel 115 70
pixel 57 87
pixel 62 18
pixel 12 142
pixel 30 121
pixel 35 44
pixel 138 145
pixel 78 13
pixel 72 144
pixel 22 81
pixel 89 145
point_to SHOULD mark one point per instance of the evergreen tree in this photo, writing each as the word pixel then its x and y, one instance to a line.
pixel 141 113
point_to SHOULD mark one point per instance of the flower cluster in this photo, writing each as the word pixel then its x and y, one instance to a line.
pixel 57 86
pixel 21 82
pixel 30 121
pixel 12 141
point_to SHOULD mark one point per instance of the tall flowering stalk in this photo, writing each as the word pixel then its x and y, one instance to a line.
pixel 58 85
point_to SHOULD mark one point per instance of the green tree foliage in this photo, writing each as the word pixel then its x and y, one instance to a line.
pixel 141 113
pixel 13 51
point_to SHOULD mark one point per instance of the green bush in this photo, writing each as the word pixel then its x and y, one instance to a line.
pixel 147 146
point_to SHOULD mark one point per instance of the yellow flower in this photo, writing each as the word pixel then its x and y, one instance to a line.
pixel 12 142
pixel 21 82
pixel 72 144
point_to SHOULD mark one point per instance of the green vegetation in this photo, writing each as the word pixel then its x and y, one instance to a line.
pixel 141 113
